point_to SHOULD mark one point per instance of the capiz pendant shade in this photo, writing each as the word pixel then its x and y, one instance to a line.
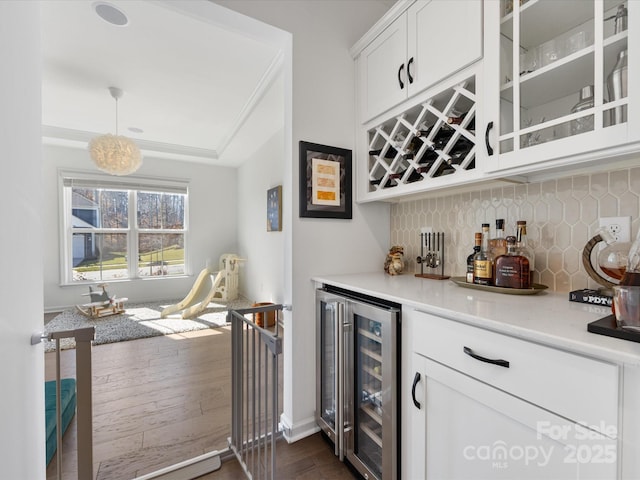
pixel 115 154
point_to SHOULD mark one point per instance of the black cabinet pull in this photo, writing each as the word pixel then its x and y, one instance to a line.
pixel 409 70
pixel 499 362
pixel 399 77
pixel 416 379
pixel 486 138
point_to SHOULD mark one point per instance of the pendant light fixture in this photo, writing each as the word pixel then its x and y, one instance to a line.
pixel 115 154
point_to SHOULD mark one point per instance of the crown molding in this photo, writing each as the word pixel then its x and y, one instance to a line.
pixel 387 19
pixel 68 137
pixel 261 89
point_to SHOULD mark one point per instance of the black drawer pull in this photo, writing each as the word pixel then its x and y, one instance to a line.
pixel 400 70
pixel 499 362
pixel 416 379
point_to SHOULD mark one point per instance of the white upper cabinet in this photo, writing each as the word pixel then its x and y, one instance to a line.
pixel 424 44
pixel 443 37
pixel 383 70
pixel 556 76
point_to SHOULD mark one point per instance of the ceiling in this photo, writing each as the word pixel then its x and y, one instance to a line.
pixel 184 86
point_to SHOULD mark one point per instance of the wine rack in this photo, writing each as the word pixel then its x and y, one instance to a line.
pixel 435 138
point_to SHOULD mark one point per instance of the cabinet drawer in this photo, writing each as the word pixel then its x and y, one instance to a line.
pixel 579 388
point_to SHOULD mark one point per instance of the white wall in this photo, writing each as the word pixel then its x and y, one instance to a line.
pixel 262 277
pixel 212 225
pixel 323 108
pixel 22 443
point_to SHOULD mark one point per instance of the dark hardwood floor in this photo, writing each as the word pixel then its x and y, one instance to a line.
pixel 162 400
pixel 311 458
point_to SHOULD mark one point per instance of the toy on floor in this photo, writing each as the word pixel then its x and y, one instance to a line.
pixel 209 285
pixel 101 304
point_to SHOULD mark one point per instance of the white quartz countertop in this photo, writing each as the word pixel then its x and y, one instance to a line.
pixel 548 318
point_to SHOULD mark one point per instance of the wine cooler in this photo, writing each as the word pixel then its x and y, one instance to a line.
pixel 357 371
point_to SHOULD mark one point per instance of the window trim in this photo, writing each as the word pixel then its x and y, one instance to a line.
pixel 70 178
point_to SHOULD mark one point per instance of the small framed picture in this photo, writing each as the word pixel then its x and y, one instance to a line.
pixel 274 209
pixel 325 181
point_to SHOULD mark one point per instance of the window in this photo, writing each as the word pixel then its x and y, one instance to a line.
pixel 122 229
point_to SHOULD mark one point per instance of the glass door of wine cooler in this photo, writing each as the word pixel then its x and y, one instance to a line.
pixel 329 312
pixel 372 442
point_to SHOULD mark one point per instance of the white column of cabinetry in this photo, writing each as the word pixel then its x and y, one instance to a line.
pixel 415 69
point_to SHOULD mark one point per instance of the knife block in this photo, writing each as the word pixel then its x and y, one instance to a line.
pixel 431 259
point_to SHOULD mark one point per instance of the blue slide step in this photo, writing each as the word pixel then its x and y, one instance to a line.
pixel 68 407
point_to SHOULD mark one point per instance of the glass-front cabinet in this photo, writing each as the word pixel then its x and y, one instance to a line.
pixel 558 76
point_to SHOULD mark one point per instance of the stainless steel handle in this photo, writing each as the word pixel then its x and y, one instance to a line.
pixel 339 318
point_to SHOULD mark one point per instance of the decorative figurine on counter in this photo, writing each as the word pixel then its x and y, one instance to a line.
pixel 394 263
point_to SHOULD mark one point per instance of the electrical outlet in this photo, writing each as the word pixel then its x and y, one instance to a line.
pixel 618 227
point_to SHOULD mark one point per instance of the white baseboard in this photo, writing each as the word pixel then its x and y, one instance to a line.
pixel 299 430
pixel 58 309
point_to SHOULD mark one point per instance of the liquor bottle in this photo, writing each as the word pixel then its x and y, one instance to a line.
pixel 389 183
pixel 457 120
pixel 441 138
pixel 459 150
pixel 444 169
pixel 482 264
pixel 414 176
pixel 476 249
pixel 390 153
pixel 424 132
pixel 512 268
pixel 498 244
pixel 522 248
pixel 412 148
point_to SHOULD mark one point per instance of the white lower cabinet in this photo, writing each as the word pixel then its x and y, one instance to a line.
pixel 483 405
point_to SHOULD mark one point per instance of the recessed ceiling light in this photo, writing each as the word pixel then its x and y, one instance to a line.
pixel 111 14
pixel 136 130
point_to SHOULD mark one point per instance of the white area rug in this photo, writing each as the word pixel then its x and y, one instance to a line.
pixel 141 320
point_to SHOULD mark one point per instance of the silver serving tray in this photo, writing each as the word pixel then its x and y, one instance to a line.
pixel 534 289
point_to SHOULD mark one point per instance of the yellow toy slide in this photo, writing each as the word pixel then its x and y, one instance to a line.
pixel 198 297
pixel 210 284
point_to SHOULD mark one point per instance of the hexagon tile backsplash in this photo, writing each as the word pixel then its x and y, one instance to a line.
pixel 562 215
